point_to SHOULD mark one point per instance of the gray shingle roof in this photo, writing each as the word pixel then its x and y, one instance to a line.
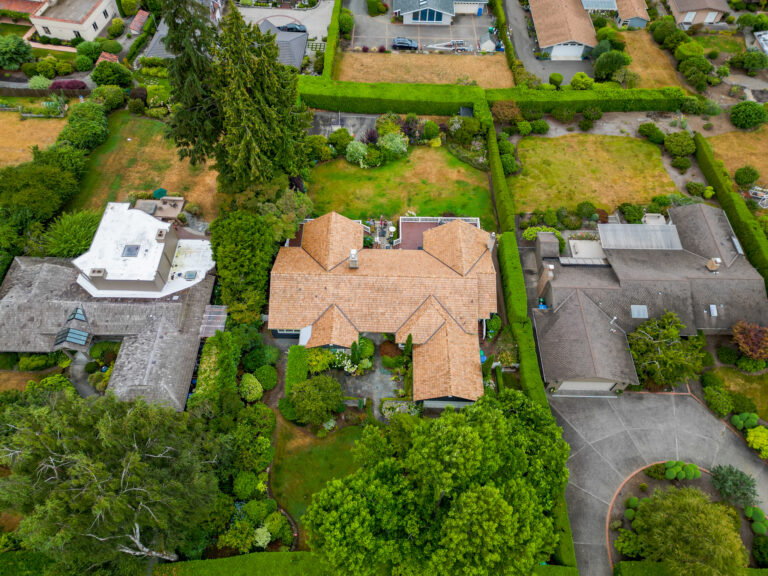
pixel 160 336
pixel 291 45
pixel 156 48
pixel 705 230
pixel 694 5
pixel 407 6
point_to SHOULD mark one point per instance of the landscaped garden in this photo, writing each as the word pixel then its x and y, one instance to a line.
pixel 430 182
pixel 754 386
pixel 7 29
pixel 737 149
pixel 604 170
pixel 136 158
pixel 721 42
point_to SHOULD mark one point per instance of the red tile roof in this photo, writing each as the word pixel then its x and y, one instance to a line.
pixel 106 56
pixel 25 6
pixel 137 24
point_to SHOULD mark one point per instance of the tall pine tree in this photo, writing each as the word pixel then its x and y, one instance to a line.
pixel 263 126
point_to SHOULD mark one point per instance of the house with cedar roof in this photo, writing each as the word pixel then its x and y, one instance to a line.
pixel 326 290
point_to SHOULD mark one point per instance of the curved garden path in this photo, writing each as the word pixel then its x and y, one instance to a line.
pixel 612 437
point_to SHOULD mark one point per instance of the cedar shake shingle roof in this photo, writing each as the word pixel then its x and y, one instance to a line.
pixel 632 9
pixel 559 21
pixel 333 328
pixel 695 5
pixel 329 239
pixel 392 291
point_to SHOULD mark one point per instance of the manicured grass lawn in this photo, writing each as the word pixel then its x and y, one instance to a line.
pixel 58 54
pixel 754 386
pixel 739 148
pixel 272 563
pixel 430 181
pixel 653 64
pixel 138 158
pixel 304 463
pixel 12 29
pixel 721 42
pixel 606 170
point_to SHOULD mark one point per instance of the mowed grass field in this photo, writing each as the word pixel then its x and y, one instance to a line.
pixel 737 149
pixel 721 42
pixel 17 136
pixel 653 64
pixel 605 170
pixel 489 71
pixel 304 463
pixel 753 386
pixel 138 158
pixel 430 181
pixel 7 29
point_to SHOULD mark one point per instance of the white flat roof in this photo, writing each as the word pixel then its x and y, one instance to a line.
pixel 123 227
pixel 191 262
pixel 762 39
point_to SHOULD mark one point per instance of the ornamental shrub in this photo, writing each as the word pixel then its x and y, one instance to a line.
pixel 90 49
pixel 393 145
pixel 679 144
pixel 629 514
pixel 744 421
pixel 39 83
pixel 339 139
pixel 656 471
pixel 652 132
pixel 747 115
pixel 743 404
pixel 366 347
pixel 111 73
pixel 524 127
pixel 356 152
pixel 627 543
pixel 509 164
pixel 760 528
pixel 695 188
pixel 539 127
pixel 139 92
pixel 29 69
pixel 250 388
pixel 581 81
pixel 631 212
pixel 687 50
pixel 257 510
pixel 47 67
pixel 111 97
pixel 136 106
pixel 68 85
pixel 760 550
pixel 246 485
pixel 505 146
pixel 86 126
pixel 718 400
pixel 585 125
pixel 728 355
pixel 563 114
pixel 682 163
pixel 431 130
pixel 267 377
pixel 63 68
pixel 158 95
pixel 116 28
pixel 746 176
pixel 556 79
pixel 130 7
pixel 735 486
pixel 346 22
pixel 111 47
pixel 91 367
pixel 711 379
pixel 748 365
pixel 14 51
pixel 632 502
pixel 279 528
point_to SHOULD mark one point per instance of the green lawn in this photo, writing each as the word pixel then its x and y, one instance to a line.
pixel 606 170
pixel 12 29
pixel 272 563
pixel 721 42
pixel 756 387
pixel 58 54
pixel 304 463
pixel 430 181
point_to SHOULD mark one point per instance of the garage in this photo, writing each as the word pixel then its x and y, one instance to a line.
pixel 567 51
pixel 586 386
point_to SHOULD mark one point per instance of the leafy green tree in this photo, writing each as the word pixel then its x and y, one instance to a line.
pixel 243 247
pixel 86 126
pixel 282 210
pixel 31 192
pixel 112 73
pixel 71 234
pixel 581 81
pixel 90 50
pixel 661 355
pixel 263 126
pixel 468 493
pixel 102 485
pixel 746 176
pixel 14 51
pixel 62 156
pixel 250 388
pixel 610 62
pixel 747 115
pixel 55 383
pixel 690 534
pixel 735 486
pixel 196 125
pixel 315 400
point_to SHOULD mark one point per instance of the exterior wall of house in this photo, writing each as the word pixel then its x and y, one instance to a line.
pixel 446 21
pixel 65 30
pixel 699 18
pixel 469 7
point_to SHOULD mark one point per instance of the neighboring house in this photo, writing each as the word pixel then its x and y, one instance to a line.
pixel 632 13
pixel 326 290
pixel 762 40
pixel 126 287
pixel 436 12
pixel 564 29
pixel 69 19
pixel 291 45
pixel 603 290
pixel 157 48
pixel 138 22
pixel 689 12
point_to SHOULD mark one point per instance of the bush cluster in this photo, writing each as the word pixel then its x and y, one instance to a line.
pixel 86 126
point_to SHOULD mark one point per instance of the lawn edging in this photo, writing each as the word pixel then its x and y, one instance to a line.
pixel 745 225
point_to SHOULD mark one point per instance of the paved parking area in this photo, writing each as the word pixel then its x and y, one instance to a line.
pixel 316 19
pixel 380 31
pixel 611 438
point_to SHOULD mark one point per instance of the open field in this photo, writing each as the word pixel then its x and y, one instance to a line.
pixel 753 386
pixel 650 61
pixel 304 463
pixel 7 29
pixel 606 170
pixel 489 71
pixel 739 148
pixel 430 181
pixel 137 158
pixel 17 136
pixel 721 42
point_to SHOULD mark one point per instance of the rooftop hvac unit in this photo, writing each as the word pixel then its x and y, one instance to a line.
pixel 353 261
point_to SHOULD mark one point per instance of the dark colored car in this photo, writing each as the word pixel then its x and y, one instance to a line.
pixel 292 27
pixel 401 43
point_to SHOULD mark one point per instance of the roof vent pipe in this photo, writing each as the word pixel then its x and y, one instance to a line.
pixel 491 240
pixel 353 261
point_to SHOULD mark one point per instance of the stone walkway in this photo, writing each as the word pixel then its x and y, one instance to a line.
pixel 613 437
pixel 375 385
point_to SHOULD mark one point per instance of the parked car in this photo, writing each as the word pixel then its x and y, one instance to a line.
pixel 401 43
pixel 292 27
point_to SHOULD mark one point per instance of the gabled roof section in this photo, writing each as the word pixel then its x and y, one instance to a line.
pixel 458 245
pixel 559 21
pixel 447 366
pixel 333 328
pixel 705 231
pixel 330 238
pixel 694 5
pixel 407 6
pixel 632 9
pixel 425 321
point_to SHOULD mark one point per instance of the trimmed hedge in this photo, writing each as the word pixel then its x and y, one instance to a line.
pixel 647 568
pixel 565 553
pixel 512 280
pixel 273 563
pixel 607 100
pixel 332 42
pixel 505 203
pixel 530 377
pixel 743 222
pixel 379 98
pixel 296 367
pixel 553 570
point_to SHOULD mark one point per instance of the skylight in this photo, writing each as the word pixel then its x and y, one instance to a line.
pixel 72 336
pixel 639 311
pixel 77 314
pixel 131 251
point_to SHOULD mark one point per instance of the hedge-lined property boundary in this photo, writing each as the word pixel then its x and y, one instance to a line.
pixel 273 563
pixel 646 568
pixel 745 225
pixel 332 41
pixel 553 570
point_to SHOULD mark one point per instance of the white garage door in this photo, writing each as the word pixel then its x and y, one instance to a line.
pixel 570 51
pixel 585 386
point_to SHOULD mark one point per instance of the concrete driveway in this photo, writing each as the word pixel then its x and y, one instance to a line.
pixel 611 438
pixel 315 19
pixel 525 47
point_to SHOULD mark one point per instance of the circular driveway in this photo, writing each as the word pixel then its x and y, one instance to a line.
pixel 612 437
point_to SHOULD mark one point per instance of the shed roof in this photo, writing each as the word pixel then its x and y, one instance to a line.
pixel 559 21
